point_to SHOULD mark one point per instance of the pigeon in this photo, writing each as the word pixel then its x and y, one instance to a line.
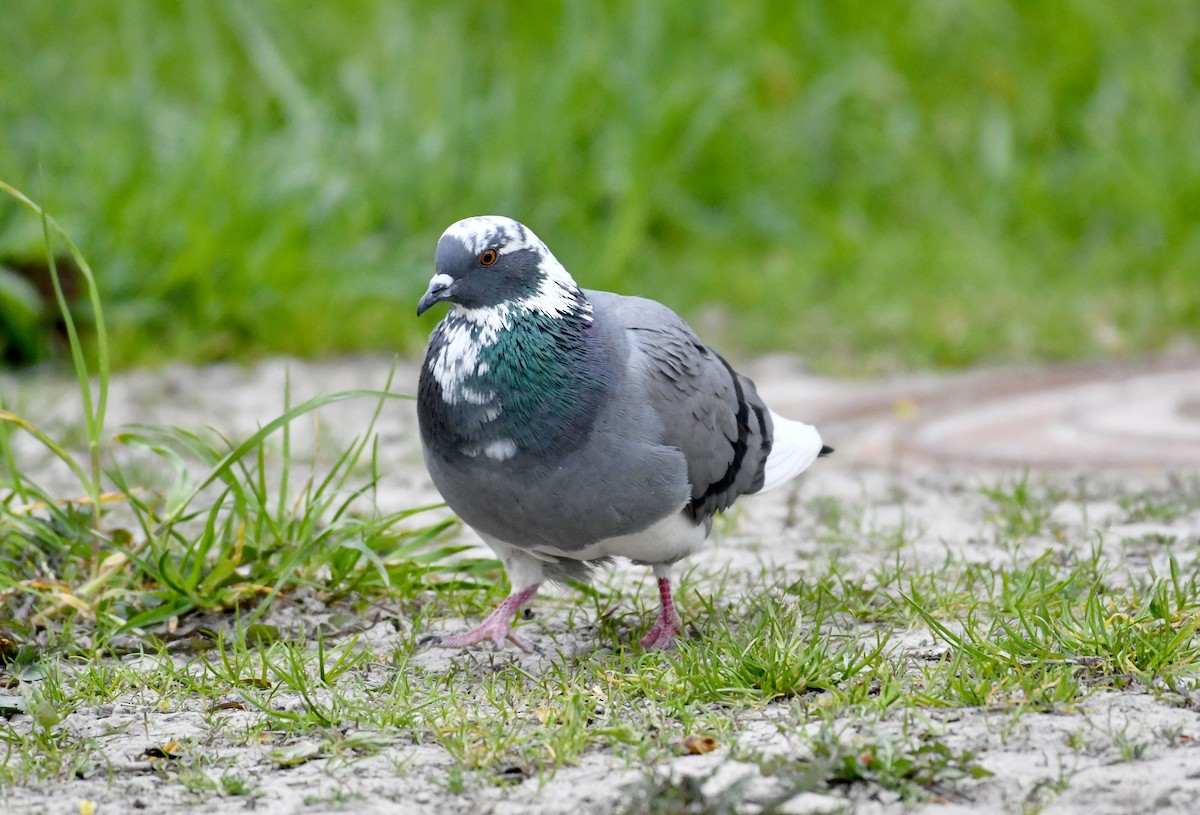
pixel 568 426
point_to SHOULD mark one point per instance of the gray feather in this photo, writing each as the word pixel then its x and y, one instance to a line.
pixel 708 411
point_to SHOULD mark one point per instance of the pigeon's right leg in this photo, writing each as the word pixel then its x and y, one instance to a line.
pixel 497 627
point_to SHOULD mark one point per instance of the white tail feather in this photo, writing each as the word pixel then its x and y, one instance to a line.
pixel 796 445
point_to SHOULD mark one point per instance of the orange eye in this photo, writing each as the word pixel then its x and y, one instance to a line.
pixel 488 257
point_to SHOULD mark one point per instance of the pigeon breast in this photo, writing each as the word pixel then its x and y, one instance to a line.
pixel 546 441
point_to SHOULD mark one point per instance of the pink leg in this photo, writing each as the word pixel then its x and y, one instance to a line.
pixel 668 623
pixel 497 627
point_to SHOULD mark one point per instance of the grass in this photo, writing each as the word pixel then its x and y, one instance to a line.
pixel 216 526
pixel 170 579
pixel 932 184
pixel 1039 636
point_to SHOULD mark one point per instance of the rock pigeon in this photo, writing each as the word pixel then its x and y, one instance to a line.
pixel 568 426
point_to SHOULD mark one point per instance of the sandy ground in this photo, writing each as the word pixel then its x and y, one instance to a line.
pixel 911 451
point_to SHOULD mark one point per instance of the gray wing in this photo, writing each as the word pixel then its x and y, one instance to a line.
pixel 708 411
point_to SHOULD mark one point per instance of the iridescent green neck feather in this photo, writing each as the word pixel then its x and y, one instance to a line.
pixel 532 385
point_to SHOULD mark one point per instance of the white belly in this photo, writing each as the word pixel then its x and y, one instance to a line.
pixel 659 545
pixel 674 537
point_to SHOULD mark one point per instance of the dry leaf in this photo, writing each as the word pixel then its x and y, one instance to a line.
pixel 229 706
pixel 696 745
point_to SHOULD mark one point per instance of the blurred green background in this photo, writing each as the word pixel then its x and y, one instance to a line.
pixel 871 185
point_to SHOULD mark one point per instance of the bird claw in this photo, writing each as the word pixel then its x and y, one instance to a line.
pixel 476 636
pixel 661 635
pixel 488 630
pixel 668 624
pixel 524 644
pixel 497 627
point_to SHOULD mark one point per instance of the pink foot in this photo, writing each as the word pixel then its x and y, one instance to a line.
pixel 668 623
pixel 497 627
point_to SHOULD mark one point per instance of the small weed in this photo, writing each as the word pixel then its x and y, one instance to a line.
pixel 1018 510
pixel 1180 498
pixel 771 651
pixel 234 784
pixel 1045 791
pixel 337 797
pixel 908 771
pixel 1129 747
pixel 456 783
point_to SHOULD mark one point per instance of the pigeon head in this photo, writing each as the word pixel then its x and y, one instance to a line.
pixel 490 264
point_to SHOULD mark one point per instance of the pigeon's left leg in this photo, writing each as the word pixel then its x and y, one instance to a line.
pixel 668 623
pixel 497 627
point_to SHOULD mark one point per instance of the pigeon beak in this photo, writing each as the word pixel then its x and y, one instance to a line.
pixel 439 290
